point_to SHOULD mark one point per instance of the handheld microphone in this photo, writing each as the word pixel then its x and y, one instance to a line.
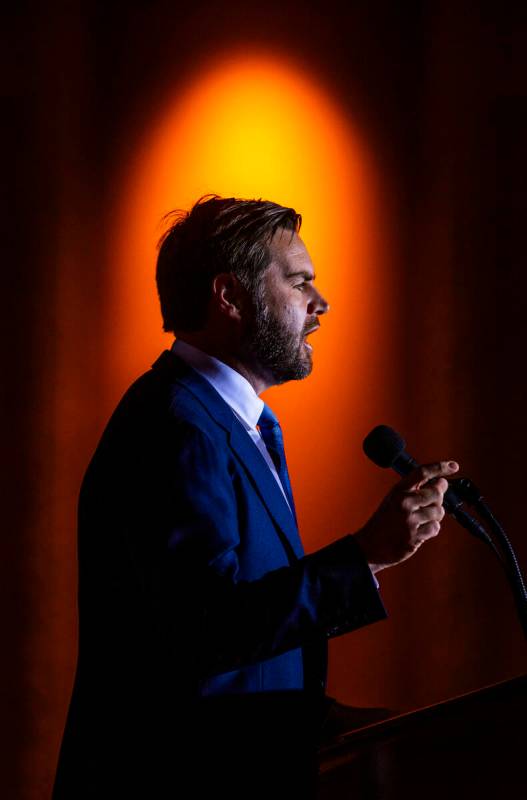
pixel 386 448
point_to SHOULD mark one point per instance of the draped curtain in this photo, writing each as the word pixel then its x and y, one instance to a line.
pixel 437 90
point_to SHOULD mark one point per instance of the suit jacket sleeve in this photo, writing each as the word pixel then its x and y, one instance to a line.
pixel 235 622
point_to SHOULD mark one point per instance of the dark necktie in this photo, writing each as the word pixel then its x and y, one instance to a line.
pixel 274 441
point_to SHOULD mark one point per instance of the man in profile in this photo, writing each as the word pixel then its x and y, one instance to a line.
pixel 203 628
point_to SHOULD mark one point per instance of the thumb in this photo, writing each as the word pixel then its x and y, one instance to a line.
pixel 426 472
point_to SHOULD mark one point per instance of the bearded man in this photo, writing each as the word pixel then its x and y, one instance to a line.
pixel 203 627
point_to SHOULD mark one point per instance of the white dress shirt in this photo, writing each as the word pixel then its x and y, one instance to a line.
pixel 235 390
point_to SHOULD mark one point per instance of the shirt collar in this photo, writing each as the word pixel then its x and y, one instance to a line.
pixel 230 385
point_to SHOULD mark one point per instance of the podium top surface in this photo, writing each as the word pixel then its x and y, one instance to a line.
pixel 468 746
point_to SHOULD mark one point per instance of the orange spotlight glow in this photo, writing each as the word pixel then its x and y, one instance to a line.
pixel 258 126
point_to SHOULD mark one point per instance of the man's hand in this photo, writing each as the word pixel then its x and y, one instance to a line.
pixel 409 515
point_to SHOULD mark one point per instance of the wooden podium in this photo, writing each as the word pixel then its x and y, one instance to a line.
pixel 470 747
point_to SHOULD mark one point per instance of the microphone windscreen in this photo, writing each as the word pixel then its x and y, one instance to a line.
pixel 383 446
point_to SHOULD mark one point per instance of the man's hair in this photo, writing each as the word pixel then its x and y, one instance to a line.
pixel 216 235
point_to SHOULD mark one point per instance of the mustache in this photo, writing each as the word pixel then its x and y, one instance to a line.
pixel 310 326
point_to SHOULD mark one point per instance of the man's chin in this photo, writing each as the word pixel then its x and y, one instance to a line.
pixel 296 372
pixel 306 359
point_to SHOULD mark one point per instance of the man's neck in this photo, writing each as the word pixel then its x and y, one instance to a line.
pixel 256 376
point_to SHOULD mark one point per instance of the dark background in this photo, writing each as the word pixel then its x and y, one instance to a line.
pixel 439 92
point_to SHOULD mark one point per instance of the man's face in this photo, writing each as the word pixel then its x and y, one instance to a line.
pixel 286 310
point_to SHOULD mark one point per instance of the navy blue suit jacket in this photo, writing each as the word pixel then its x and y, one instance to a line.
pixel 193 582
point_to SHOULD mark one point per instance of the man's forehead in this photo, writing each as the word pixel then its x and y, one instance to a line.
pixel 286 247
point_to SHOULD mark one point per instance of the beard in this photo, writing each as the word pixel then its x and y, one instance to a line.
pixel 276 348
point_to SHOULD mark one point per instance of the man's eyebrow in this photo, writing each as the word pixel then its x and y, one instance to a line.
pixel 304 273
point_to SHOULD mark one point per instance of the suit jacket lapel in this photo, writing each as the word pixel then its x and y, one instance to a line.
pixel 246 451
pixel 265 484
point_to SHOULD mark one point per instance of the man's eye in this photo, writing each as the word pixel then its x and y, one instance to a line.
pixel 301 286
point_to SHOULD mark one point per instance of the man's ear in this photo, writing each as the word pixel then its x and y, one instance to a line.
pixel 228 295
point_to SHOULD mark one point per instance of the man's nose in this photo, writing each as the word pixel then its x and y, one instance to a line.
pixel 317 304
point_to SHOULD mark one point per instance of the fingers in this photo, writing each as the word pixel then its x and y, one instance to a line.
pixel 410 514
pixel 428 472
pixel 431 493
pixel 433 513
pixel 427 531
pixel 423 507
pixel 424 522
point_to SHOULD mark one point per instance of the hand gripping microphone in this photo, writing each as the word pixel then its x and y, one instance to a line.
pixel 386 448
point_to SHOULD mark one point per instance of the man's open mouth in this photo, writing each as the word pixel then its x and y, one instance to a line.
pixel 308 333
